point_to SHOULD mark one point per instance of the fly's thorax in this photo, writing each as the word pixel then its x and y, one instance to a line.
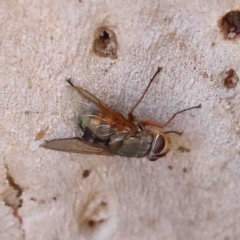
pixel 133 146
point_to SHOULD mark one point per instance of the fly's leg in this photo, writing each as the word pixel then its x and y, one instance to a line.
pixel 130 114
pixel 175 114
pixel 178 133
pixel 150 123
pixel 155 124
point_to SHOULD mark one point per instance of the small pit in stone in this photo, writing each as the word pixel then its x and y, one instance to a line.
pixel 170 167
pixel 183 149
pixel 86 173
pixel 231 80
pixel 105 43
pixel 230 24
pixel 41 134
pixel 92 223
pixel 104 204
pixel 11 196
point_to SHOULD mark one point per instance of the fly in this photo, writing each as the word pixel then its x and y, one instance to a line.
pixel 105 131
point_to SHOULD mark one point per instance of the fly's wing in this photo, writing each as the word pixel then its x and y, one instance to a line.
pixel 76 145
pixel 96 117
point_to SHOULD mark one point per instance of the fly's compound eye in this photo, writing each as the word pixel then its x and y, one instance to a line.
pixel 159 145
pixel 160 148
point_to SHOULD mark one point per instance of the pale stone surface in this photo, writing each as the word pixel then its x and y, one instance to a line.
pixel 45 42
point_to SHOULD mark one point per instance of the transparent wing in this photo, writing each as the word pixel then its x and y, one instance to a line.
pixel 102 120
pixel 76 145
pixel 95 103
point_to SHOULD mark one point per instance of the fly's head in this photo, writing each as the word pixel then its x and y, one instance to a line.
pixel 160 146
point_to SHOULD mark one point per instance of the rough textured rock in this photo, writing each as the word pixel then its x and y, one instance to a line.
pixel 189 194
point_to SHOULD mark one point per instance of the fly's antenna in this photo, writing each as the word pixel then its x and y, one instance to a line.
pixel 184 110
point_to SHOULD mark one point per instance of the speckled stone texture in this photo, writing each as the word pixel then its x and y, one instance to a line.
pixel 192 194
